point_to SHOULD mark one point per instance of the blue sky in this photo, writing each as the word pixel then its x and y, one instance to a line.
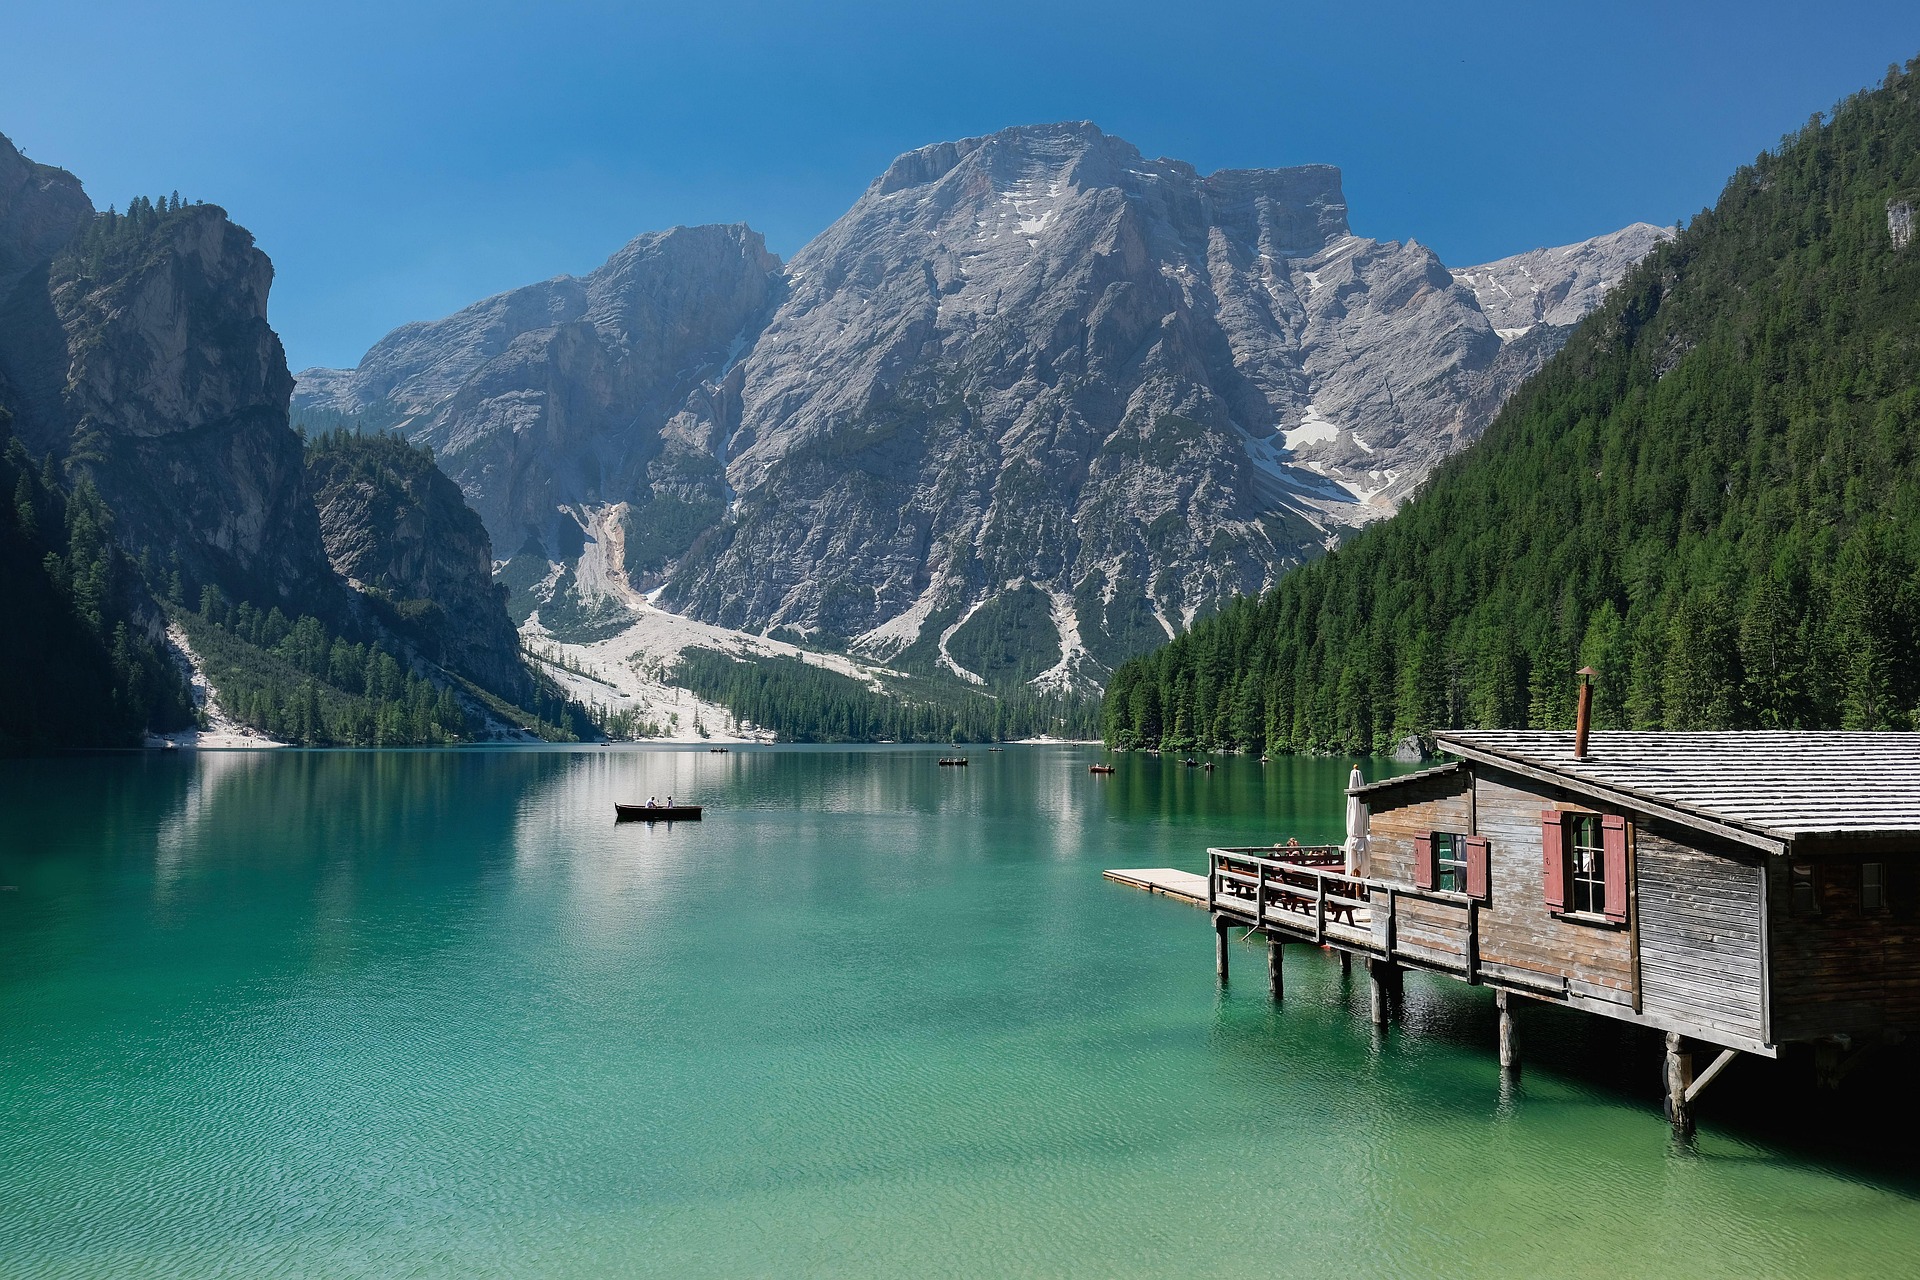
pixel 401 160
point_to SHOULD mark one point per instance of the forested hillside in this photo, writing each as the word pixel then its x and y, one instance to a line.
pixel 336 590
pixel 800 702
pixel 1710 495
pixel 77 639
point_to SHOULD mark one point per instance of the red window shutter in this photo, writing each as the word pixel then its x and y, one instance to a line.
pixel 1613 843
pixel 1553 864
pixel 1423 860
pixel 1477 867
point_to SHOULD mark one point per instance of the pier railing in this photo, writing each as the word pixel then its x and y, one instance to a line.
pixel 1305 892
pixel 1303 881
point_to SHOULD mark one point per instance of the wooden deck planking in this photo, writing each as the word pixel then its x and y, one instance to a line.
pixel 1184 885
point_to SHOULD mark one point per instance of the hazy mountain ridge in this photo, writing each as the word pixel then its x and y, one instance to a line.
pixel 555 394
pixel 1034 396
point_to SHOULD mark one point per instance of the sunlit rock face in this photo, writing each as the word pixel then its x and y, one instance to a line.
pixel 1034 403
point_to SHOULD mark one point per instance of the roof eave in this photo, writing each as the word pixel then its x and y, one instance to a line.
pixel 1439 770
pixel 1762 838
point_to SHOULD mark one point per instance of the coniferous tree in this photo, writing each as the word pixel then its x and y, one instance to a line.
pixel 1711 496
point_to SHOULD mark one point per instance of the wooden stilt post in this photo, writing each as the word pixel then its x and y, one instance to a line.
pixel 1220 927
pixel 1276 980
pixel 1346 964
pixel 1509 1058
pixel 1378 991
pixel 1679 1079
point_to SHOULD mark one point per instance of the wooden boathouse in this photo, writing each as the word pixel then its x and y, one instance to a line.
pixel 1740 892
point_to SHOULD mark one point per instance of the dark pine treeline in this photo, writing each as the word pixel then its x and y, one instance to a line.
pixel 295 680
pixel 299 681
pixel 1710 496
pixel 113 239
pixel 79 646
pixel 800 702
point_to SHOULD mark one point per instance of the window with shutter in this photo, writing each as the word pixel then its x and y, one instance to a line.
pixel 1449 862
pixel 1613 833
pixel 1478 871
pixel 1873 887
pixel 1553 859
pixel 1423 860
pixel 1586 864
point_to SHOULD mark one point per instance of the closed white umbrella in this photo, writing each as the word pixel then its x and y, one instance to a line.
pixel 1356 827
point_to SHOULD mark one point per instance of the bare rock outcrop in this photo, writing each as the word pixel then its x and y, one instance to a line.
pixel 1034 403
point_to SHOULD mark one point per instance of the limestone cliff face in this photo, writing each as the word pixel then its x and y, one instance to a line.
pixel 41 209
pixel 136 347
pixel 553 396
pixel 1557 286
pixel 176 398
pixel 1034 403
pixel 135 350
pixel 396 526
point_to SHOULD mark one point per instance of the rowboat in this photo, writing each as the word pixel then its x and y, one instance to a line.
pixel 956 761
pixel 1099 768
pixel 657 813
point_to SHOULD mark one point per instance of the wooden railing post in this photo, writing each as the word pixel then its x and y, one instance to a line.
pixel 1260 894
pixel 1509 1054
pixel 1393 922
pixel 1471 944
pixel 1679 1078
pixel 1319 908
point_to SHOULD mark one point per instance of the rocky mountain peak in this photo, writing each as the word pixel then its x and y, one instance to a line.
pixel 41 209
pixel 1033 403
pixel 1557 286
pixel 553 397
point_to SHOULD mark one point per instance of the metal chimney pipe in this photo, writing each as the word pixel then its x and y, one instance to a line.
pixel 1584 716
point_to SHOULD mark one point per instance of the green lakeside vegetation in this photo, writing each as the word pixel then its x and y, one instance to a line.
pixel 801 702
pixel 1710 495
pixel 294 680
pixel 301 682
pixel 81 644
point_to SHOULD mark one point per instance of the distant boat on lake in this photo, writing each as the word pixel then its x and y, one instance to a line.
pixel 956 761
pixel 656 813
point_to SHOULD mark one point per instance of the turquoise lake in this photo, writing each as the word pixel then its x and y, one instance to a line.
pixel 434 1014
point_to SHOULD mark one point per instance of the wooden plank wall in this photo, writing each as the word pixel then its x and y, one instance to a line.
pixel 1705 960
pixel 1430 929
pixel 1845 971
pixel 1697 903
pixel 1596 959
pixel 1516 928
pixel 1425 804
pixel 1700 935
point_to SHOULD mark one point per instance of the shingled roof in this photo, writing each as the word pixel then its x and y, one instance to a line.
pixel 1771 787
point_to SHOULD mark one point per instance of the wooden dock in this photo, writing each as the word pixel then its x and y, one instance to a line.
pixel 1184 885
